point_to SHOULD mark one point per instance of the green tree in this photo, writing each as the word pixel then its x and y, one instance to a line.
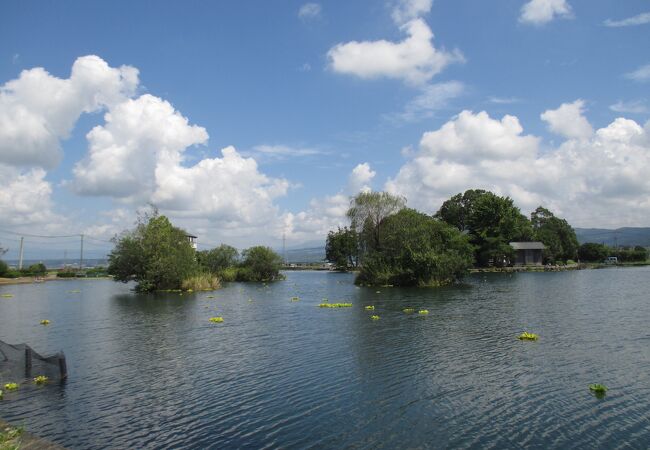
pixel 342 248
pixel 458 209
pixel 494 223
pixel 156 255
pixel 416 250
pixel 260 264
pixel 37 269
pixel 556 234
pixel 218 258
pixel 592 252
pixel 4 268
pixel 366 213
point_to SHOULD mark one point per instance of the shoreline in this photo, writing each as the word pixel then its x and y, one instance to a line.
pixel 49 277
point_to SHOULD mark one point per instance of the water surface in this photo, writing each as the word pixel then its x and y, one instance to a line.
pixel 150 371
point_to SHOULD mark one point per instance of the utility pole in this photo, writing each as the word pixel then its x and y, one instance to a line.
pixel 81 254
pixel 20 260
pixel 284 247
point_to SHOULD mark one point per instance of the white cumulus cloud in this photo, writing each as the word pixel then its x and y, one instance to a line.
pixel 138 135
pixel 600 180
pixel 328 213
pixel 539 12
pixel 407 10
pixel 38 110
pixel 568 120
pixel 414 59
pixel 25 198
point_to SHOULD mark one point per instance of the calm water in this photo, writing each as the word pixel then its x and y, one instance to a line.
pixel 150 371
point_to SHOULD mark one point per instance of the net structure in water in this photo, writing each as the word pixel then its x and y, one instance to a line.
pixel 21 361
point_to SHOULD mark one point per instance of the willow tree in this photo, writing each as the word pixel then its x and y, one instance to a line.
pixel 368 210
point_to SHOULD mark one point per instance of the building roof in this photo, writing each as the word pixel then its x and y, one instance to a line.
pixel 527 245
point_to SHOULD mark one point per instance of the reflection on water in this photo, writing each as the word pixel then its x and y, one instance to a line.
pixel 151 371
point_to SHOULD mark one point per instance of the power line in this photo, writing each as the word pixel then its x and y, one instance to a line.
pixel 40 236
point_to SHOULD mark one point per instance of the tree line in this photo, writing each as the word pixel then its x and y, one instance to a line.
pixel 392 244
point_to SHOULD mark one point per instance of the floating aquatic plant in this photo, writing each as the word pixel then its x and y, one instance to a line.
pixel 378 292
pixel 335 305
pixel 598 388
pixel 216 319
pixel 525 336
pixel 41 379
pixel 11 386
pixel 1 394
pixel 408 310
pixel 45 322
pixel 209 296
pixel 370 308
pixel 374 317
pixel 424 312
pixel 294 299
pixel 6 295
pixel 74 291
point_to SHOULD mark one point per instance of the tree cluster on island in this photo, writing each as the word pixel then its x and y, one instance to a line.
pixel 158 256
pixel 391 244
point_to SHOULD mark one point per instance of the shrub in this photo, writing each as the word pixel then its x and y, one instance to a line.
pixel 416 250
pixel 66 274
pixel 156 254
pixel 260 264
pixel 228 274
pixel 4 268
pixel 201 282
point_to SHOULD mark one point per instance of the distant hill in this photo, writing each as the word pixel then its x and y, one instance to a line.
pixel 305 255
pixel 621 236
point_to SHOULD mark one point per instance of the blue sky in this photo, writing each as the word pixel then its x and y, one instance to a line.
pixel 318 100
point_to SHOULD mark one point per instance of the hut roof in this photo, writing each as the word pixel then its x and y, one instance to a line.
pixel 527 245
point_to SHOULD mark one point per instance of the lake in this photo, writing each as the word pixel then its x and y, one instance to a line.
pixel 151 371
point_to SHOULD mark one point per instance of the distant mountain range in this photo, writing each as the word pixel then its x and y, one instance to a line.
pixel 620 237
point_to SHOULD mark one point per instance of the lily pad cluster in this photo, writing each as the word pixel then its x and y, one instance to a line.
pixel 525 336
pixel 41 379
pixel 598 388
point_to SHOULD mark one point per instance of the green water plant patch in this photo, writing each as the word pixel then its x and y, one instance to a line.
pixel 598 388
pixel 525 336
pixel 41 379
pixel 335 305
